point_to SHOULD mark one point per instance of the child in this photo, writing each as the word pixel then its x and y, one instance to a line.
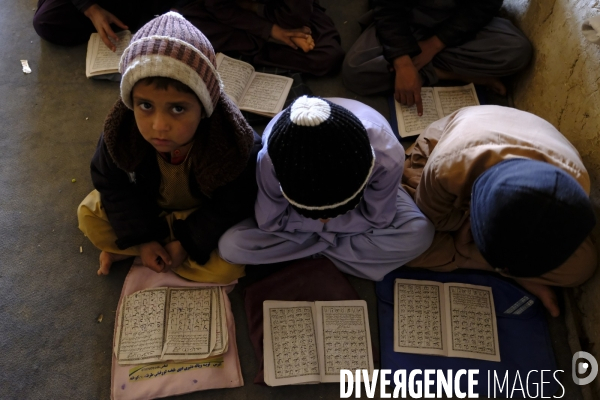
pixel 70 22
pixel 418 43
pixel 506 191
pixel 290 34
pixel 175 165
pixel 329 183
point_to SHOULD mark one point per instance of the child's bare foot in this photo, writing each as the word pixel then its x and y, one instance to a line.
pixel 544 293
pixel 305 44
pixel 106 261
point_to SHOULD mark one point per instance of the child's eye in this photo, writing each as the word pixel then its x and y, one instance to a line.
pixel 145 106
pixel 178 109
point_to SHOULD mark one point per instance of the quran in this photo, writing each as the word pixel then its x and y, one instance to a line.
pixel 163 324
pixel 100 61
pixel 310 342
pixel 438 102
pixel 445 319
pixel 252 91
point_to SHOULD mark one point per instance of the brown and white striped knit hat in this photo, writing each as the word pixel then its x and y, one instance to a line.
pixel 170 46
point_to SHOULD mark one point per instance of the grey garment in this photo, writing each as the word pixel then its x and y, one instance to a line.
pixel 499 49
pixel 370 255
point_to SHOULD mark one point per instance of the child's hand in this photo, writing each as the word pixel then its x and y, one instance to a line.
pixel 177 253
pixel 285 36
pixel 155 257
pixel 429 48
pixel 102 20
pixel 305 44
pixel 407 85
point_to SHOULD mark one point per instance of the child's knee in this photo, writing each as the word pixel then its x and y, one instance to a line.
pixel 423 232
pixel 519 53
pixel 90 209
pixel 42 26
pixel 323 60
pixel 362 79
pixel 227 245
pixel 350 74
pixel 215 270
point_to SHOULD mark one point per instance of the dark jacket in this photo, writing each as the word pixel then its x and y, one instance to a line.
pixel 125 171
pixel 393 23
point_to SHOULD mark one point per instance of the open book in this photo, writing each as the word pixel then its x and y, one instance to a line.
pixel 252 91
pixel 171 324
pixel 445 319
pixel 100 61
pixel 310 342
pixel 438 102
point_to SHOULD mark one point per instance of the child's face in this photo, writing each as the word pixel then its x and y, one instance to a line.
pixel 166 118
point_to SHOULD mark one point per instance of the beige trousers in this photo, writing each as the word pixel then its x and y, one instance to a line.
pixel 93 222
pixel 452 250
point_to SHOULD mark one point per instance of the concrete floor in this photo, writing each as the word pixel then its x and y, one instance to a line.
pixel 51 345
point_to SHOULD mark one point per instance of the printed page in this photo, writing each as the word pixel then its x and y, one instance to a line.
pixel 419 317
pixel 191 331
pixel 141 327
pixel 409 122
pixel 89 53
pixel 221 338
pixel 450 99
pixel 101 59
pixel 473 331
pixel 235 75
pixel 290 343
pixel 266 94
pixel 344 337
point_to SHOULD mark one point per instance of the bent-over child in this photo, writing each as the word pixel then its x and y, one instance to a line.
pixel 329 184
pixel 174 167
pixel 506 191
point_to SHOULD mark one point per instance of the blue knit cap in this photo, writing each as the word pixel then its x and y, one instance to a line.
pixel 528 216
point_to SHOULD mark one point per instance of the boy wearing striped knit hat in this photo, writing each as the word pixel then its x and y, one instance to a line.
pixel 329 184
pixel 174 167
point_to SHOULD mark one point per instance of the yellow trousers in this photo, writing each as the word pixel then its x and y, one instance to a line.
pixel 93 222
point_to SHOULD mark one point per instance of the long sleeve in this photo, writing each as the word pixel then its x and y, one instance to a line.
pixel 392 22
pixel 439 204
pixel 229 13
pixel 133 217
pixel 433 197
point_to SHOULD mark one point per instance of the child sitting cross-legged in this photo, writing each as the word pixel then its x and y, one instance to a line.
pixel 174 167
pixel 329 185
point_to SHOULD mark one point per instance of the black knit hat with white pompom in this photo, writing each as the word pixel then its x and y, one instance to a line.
pixel 322 157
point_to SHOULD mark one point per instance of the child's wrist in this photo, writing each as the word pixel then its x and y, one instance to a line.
pixel 91 10
pixel 436 43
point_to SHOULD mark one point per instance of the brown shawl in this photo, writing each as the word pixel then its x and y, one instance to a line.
pixel 223 144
